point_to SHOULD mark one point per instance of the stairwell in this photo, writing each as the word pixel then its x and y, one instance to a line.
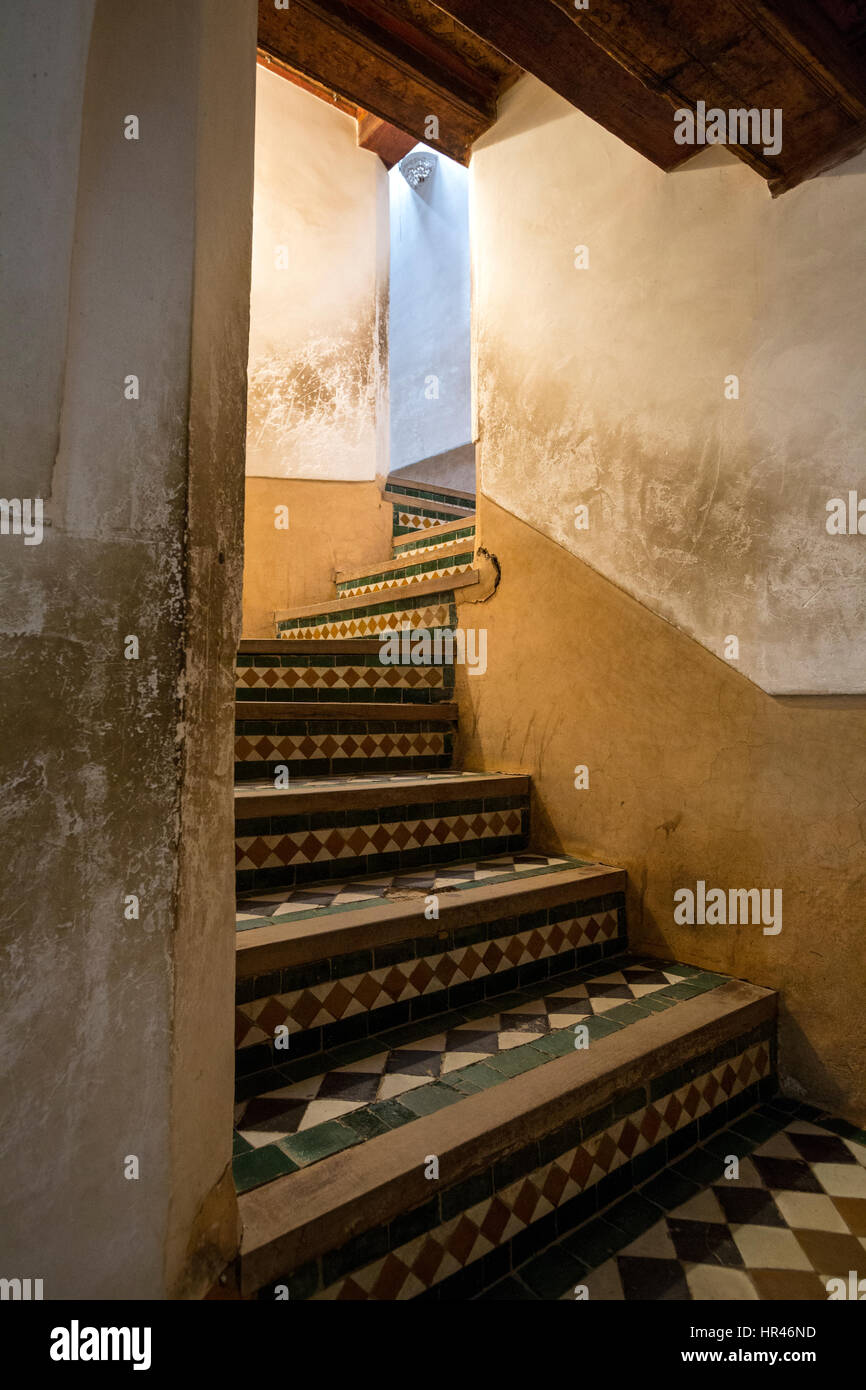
pixel 447 1057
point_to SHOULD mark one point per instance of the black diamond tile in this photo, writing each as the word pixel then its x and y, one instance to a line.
pixel 704 1242
pixel 748 1206
pixel 786 1174
pixel 414 1062
pixel 349 1085
pixel 652 1279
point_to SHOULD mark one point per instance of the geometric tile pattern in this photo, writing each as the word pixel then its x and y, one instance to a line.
pixel 421 1263
pixel 324 1003
pixel 444 1050
pixel 302 847
pixel 790 1219
pixel 794 1217
pixel 260 909
pixel 405 521
pixel 252 748
pixel 404 579
pixel 423 547
pixel 366 622
pixel 350 676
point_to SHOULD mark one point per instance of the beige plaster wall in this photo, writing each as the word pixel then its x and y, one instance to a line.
pixel 694 773
pixel 121 257
pixel 331 525
pixel 604 387
pixel 318 358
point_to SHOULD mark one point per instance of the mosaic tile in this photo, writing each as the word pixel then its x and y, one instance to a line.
pixel 424 545
pixel 757 1237
pixel 300 903
pixel 335 747
pixel 527 1207
pixel 350 681
pixel 449 1045
pixel 428 494
pixel 406 576
pixel 318 1005
pixel 370 621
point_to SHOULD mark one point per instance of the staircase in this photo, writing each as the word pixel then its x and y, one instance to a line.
pixel 447 1056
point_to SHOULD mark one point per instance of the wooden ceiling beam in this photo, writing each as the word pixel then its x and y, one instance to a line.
pixel 383 139
pixel 539 37
pixel 347 52
pixel 764 54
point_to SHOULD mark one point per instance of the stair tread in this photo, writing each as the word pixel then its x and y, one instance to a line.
pixel 403 892
pixel 471 1089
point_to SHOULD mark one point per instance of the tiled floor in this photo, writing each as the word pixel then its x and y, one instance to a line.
pixel 257 909
pixel 793 1217
pixel 453 1055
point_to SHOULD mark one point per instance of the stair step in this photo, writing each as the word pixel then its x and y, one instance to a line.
pixel 419 514
pixel 429 605
pixel 435 538
pixel 404 490
pixel 529 1138
pixel 690 1233
pixel 333 826
pixel 442 563
pixel 336 962
pixel 337 671
pixel 418 508
pixel 328 739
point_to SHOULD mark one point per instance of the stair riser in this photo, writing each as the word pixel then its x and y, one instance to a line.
pixel 467 1235
pixel 402 578
pixel 429 496
pixel 285 850
pixel 340 999
pixel 423 546
pixel 418 519
pixel 373 619
pixel 359 681
pixel 324 748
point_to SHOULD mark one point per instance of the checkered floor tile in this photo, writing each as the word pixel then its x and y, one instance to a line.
pixel 439 1051
pixel 256 909
pixel 793 1218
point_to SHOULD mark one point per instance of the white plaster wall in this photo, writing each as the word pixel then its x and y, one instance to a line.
pixel 318 405
pixel 430 299
pixel 605 386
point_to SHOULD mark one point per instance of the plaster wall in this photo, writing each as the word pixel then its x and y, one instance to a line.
pixel 318 399
pixel 694 774
pixel 121 257
pixel 430 299
pixel 604 386
pixel 331 526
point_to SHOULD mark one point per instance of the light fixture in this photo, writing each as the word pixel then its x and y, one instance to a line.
pixel 417 167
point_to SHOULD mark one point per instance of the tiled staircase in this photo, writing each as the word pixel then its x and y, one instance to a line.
pixel 447 1057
